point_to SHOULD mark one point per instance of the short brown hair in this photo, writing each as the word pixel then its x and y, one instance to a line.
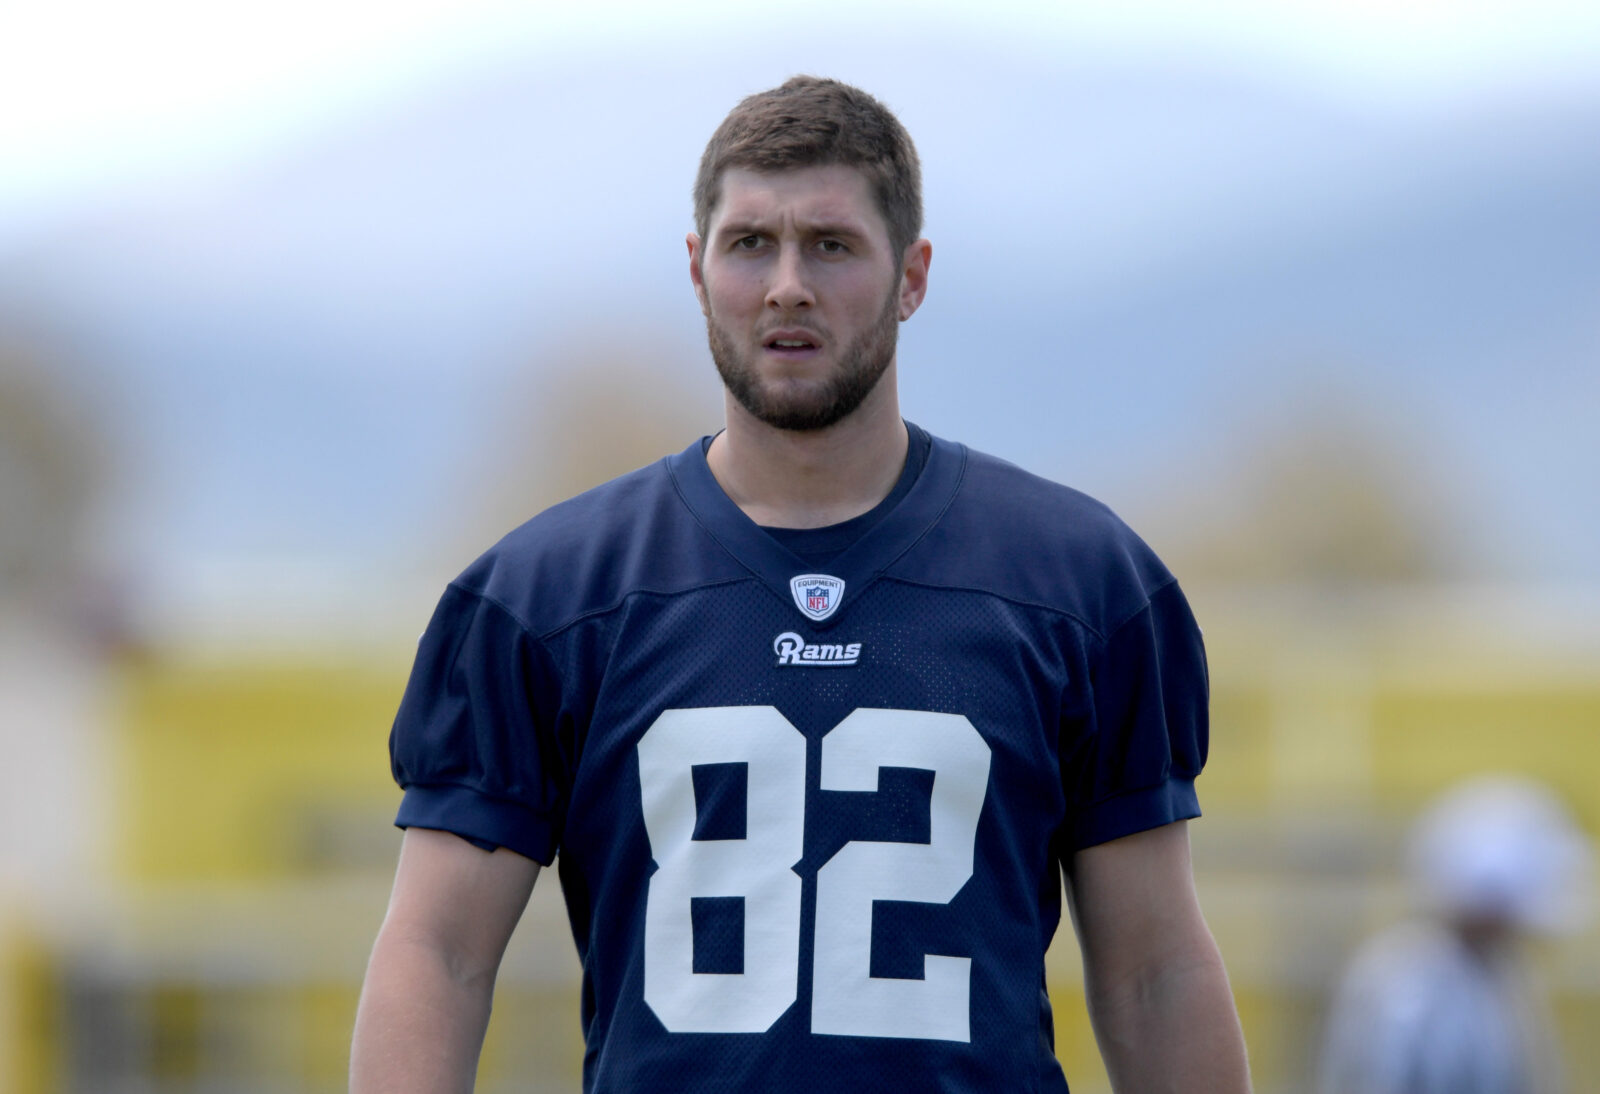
pixel 814 122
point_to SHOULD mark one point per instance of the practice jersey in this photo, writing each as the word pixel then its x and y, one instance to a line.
pixel 810 818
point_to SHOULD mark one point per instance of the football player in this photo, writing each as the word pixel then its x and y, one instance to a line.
pixel 814 715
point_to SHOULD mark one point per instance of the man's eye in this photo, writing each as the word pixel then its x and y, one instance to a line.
pixel 748 243
pixel 831 247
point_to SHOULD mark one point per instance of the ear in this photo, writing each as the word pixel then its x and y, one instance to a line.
pixel 696 274
pixel 914 277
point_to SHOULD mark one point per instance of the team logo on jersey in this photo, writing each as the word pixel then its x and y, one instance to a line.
pixel 794 650
pixel 817 595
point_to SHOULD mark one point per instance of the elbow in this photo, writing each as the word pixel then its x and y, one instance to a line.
pixel 1158 979
pixel 447 959
pixel 1170 1025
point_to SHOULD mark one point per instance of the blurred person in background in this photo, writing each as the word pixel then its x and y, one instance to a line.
pixel 1444 1003
pixel 816 712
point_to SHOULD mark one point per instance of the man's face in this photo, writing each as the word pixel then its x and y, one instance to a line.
pixel 802 293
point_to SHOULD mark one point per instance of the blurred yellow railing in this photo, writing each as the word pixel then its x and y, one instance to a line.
pixel 253 848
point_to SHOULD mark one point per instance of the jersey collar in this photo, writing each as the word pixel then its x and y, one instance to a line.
pixel 860 565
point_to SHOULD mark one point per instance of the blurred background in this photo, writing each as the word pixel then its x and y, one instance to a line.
pixel 302 306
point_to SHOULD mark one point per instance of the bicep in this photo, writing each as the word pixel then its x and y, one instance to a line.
pixel 1134 905
pixel 458 900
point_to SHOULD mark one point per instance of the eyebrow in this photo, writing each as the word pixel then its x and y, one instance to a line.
pixel 824 228
pixel 741 228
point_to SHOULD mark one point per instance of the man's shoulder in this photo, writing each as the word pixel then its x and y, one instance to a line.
pixel 1031 539
pixel 1005 491
pixel 593 517
pixel 589 552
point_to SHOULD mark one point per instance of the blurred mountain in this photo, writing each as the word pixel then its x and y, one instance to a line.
pixel 1140 268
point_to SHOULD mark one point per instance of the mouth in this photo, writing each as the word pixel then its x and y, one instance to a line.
pixel 792 344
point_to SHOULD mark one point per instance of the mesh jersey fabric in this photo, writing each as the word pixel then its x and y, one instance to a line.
pixel 786 868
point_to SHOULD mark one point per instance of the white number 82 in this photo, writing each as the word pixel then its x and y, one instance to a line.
pixel 846 999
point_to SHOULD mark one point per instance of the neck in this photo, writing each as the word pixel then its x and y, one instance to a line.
pixel 786 479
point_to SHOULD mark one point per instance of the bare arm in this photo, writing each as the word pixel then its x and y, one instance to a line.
pixel 425 1003
pixel 1158 994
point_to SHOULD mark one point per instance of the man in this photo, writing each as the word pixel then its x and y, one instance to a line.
pixel 1444 1002
pixel 815 712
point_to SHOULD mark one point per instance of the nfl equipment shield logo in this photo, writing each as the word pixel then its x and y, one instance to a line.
pixel 817 595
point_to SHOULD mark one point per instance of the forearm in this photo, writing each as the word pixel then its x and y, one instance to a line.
pixel 1172 1028
pixel 420 1024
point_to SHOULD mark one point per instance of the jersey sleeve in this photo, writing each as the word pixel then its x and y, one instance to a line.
pixel 475 744
pixel 1143 727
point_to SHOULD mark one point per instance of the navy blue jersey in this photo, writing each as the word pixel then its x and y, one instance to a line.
pixel 810 817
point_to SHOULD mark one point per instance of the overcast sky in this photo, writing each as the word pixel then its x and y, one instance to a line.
pixel 101 94
pixel 1397 193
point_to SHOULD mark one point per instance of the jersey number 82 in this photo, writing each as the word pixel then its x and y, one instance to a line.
pixel 845 998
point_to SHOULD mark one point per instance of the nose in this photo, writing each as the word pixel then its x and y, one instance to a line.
pixel 789 289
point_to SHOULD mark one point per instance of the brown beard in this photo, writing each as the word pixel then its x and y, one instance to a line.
pixel 861 366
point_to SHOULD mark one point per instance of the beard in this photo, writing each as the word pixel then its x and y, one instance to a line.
pixel 806 406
